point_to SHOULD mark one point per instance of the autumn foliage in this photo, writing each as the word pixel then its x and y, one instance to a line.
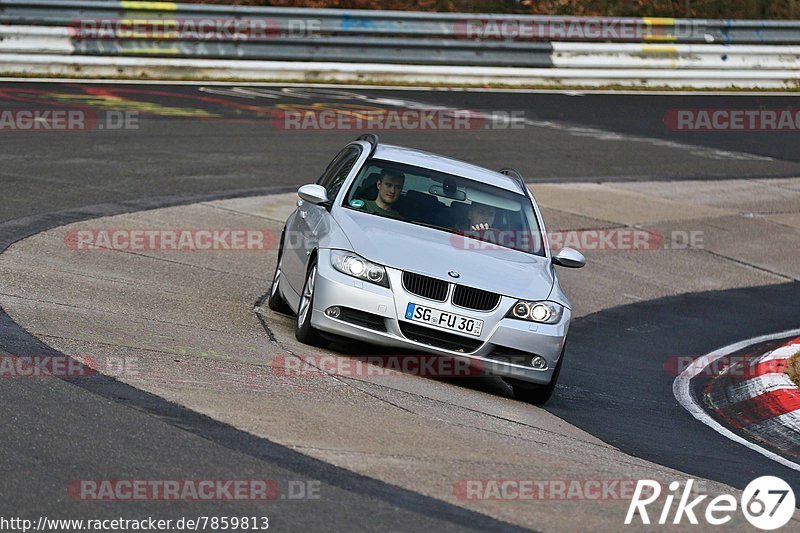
pixel 748 9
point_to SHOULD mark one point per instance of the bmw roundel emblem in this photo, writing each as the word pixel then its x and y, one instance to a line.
pixel 454 274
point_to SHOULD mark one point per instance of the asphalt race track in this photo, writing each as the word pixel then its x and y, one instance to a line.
pixel 609 375
pixel 195 143
pixel 232 144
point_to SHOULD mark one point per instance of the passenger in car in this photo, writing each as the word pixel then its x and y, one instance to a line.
pixel 390 185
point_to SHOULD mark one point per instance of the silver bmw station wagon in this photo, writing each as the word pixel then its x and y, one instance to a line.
pixel 403 248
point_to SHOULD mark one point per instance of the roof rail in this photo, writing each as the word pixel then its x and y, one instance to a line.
pixel 372 139
pixel 516 175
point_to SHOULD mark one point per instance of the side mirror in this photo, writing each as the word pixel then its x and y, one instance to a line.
pixel 313 193
pixel 570 258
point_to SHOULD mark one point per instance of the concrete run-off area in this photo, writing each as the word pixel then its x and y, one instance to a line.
pixel 182 325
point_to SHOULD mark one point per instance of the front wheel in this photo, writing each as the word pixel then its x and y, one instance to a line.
pixel 303 330
pixel 537 394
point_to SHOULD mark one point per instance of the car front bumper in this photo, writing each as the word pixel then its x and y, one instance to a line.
pixel 505 343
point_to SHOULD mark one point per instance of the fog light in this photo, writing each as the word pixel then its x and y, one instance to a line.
pixel 538 362
pixel 333 312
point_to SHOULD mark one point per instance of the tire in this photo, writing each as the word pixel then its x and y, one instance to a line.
pixel 303 330
pixel 275 300
pixel 537 394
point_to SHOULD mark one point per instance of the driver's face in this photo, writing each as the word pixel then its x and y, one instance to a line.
pixel 389 189
pixel 481 214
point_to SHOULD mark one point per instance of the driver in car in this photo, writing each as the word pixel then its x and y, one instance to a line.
pixel 481 216
pixel 480 224
pixel 390 185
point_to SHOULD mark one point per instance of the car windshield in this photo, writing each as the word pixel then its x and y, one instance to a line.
pixel 471 209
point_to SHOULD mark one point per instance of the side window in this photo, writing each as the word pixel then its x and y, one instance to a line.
pixel 328 174
pixel 337 171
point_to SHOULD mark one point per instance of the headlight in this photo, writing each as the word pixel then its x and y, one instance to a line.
pixel 358 267
pixel 545 312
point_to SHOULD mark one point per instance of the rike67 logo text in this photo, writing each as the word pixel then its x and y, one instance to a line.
pixel 767 502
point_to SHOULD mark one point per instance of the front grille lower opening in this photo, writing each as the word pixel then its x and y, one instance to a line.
pixel 439 339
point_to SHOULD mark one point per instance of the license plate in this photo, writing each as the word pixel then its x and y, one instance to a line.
pixel 444 319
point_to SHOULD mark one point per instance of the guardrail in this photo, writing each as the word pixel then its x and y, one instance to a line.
pixel 414 24
pixel 127 32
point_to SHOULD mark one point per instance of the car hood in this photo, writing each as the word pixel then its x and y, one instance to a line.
pixel 434 253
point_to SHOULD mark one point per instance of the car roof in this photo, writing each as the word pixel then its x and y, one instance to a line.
pixel 420 158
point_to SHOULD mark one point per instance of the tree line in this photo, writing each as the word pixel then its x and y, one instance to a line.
pixel 713 9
